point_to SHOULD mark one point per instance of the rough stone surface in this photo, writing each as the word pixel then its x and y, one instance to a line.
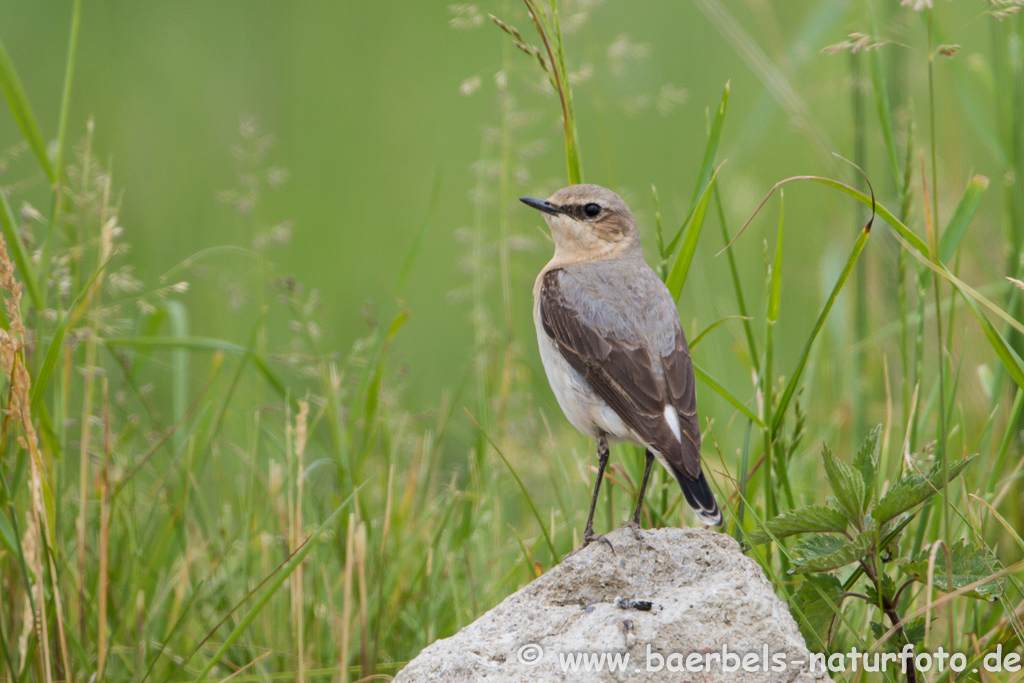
pixel 706 595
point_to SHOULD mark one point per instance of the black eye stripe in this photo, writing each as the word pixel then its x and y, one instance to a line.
pixel 579 211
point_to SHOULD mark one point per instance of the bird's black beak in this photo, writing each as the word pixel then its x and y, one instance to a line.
pixel 541 205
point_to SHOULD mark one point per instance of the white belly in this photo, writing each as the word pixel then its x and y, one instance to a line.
pixel 587 411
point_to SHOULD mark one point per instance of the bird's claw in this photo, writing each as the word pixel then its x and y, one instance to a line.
pixel 588 538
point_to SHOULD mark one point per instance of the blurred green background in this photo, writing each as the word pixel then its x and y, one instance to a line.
pixel 373 152
pixel 364 107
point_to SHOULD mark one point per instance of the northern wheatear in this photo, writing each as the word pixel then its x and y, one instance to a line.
pixel 612 346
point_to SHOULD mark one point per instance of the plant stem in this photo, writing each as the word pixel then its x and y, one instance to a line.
pixel 889 607
pixel 562 85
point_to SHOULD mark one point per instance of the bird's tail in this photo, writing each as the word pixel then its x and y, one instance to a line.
pixel 700 497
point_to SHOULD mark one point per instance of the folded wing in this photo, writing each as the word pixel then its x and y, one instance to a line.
pixel 637 382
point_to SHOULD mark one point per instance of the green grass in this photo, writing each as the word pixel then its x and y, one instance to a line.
pixel 178 507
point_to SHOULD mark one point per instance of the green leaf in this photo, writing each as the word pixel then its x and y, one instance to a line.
pixel 888 590
pixel 970 563
pixel 913 241
pixel 818 545
pixel 914 630
pixel 962 215
pixel 691 231
pixel 914 489
pixel 800 521
pixel 891 533
pixel 847 485
pixel 22 112
pixel 866 461
pixel 823 552
pixel 816 604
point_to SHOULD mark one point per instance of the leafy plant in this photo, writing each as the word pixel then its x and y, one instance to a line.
pixel 861 526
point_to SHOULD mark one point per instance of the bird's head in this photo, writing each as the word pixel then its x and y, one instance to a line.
pixel 587 222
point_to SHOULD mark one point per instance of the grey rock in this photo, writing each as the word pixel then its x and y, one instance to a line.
pixel 704 594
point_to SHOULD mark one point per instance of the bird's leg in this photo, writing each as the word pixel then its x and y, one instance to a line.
pixel 602 460
pixel 634 524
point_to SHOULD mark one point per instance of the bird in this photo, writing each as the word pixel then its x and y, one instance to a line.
pixel 612 347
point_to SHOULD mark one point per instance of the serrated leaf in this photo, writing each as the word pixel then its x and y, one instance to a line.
pixel 846 483
pixel 914 630
pixel 888 589
pixel 895 528
pixel 914 489
pixel 800 521
pixel 970 563
pixel 823 553
pixel 866 461
pixel 811 608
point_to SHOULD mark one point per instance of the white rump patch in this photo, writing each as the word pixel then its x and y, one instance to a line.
pixel 672 418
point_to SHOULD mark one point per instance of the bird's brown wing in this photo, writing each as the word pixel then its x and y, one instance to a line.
pixel 624 375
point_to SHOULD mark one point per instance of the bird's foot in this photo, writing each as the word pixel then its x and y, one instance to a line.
pixel 589 537
pixel 634 526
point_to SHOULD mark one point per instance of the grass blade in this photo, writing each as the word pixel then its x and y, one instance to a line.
pixel 177 320
pixel 962 215
pixel 522 487
pixel 882 105
pixel 966 290
pixel 21 261
pixel 868 200
pixel 707 164
pixel 681 266
pixel 1011 361
pixel 724 393
pixel 858 247
pixel 787 395
pixel 42 379
pixel 22 112
pixel 200 344
pixel 69 72
pixel 712 326
pixel 282 574
pixel 417 242
pixel 737 286
pixel 775 291
pixel 707 167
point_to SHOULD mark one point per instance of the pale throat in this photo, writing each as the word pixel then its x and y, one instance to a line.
pixel 571 249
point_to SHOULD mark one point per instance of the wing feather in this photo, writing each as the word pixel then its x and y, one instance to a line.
pixel 635 381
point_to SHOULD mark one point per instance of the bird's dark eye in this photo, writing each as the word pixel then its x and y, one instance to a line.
pixel 592 210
